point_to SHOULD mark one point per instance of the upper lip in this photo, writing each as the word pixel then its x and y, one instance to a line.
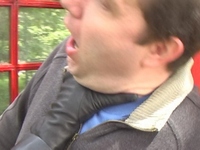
pixel 70 27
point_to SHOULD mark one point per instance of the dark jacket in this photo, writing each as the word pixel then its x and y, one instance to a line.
pixel 181 131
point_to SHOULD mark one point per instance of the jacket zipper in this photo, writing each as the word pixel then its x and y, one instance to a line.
pixel 76 134
pixel 74 138
pixel 72 141
pixel 114 121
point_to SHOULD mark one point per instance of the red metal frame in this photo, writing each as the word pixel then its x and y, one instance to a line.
pixel 5 1
pixel 14 50
pixel 13 67
pixel 24 66
pixel 35 3
pixel 196 70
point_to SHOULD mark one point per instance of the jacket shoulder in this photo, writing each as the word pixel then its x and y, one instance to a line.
pixel 185 122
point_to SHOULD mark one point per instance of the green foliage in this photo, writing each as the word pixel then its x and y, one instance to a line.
pixel 24 77
pixel 40 30
pixel 4 34
pixel 4 94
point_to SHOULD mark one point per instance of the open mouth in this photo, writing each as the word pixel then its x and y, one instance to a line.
pixel 72 42
pixel 75 44
pixel 71 46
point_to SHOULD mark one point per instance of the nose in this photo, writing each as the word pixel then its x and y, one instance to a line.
pixel 74 7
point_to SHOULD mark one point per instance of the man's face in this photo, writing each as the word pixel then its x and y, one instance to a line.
pixel 103 49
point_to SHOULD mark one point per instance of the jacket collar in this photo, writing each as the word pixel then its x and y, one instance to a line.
pixel 156 110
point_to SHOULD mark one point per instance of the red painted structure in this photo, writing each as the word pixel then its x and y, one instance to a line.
pixel 13 67
pixel 196 70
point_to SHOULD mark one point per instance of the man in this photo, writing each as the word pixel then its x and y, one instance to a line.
pixel 121 46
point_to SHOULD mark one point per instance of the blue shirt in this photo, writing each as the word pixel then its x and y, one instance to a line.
pixel 116 112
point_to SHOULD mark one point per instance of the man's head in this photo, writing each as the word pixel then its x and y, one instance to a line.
pixel 122 45
pixel 174 18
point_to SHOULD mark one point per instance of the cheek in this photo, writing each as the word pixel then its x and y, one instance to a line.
pixel 101 34
pixel 100 42
pixel 106 41
pixel 106 53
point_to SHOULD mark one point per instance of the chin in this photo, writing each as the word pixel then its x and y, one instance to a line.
pixel 72 68
pixel 77 73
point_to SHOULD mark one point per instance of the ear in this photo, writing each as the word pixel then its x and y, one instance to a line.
pixel 163 52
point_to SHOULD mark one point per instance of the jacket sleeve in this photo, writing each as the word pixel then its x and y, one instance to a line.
pixel 32 142
pixel 12 119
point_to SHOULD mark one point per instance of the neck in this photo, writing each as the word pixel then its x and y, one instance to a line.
pixel 141 83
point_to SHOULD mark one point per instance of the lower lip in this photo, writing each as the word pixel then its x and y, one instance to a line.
pixel 70 49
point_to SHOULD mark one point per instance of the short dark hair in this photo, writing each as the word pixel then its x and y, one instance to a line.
pixel 179 18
